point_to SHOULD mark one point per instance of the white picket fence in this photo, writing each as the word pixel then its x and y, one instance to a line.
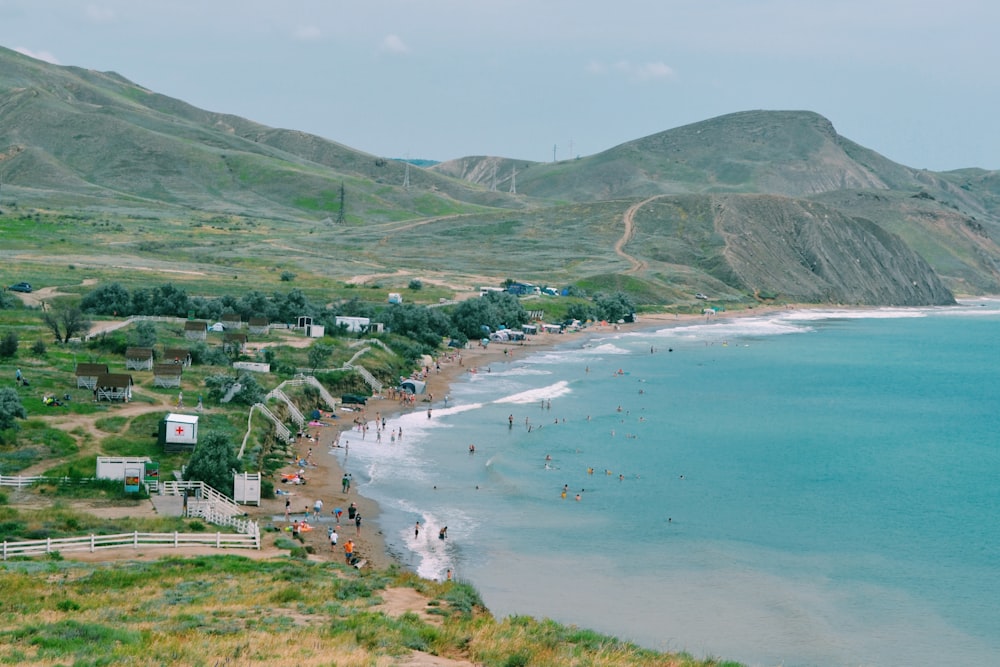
pixel 132 540
pixel 214 507
pixel 210 505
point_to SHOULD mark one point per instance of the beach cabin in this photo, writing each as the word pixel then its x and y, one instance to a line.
pixel 179 433
pixel 167 375
pixel 235 342
pixel 246 488
pixel 232 321
pixel 115 467
pixel 196 330
pixel 311 330
pixel 552 328
pixel 413 386
pixel 139 358
pixel 87 374
pixel 529 329
pixel 177 356
pixel 259 326
pixel 353 324
pixel 113 387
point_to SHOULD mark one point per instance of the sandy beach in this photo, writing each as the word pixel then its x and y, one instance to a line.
pixel 326 472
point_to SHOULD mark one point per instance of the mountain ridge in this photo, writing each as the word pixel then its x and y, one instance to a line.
pixel 78 140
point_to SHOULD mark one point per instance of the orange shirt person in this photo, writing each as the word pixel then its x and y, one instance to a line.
pixel 349 550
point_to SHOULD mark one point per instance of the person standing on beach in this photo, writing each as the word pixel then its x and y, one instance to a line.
pixel 318 507
pixel 357 522
pixel 345 483
pixel 348 551
pixel 288 508
pixel 416 530
pixel 333 539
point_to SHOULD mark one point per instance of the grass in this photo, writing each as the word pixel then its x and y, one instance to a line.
pixel 208 611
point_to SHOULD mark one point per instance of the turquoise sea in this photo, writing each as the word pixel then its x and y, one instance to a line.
pixel 797 488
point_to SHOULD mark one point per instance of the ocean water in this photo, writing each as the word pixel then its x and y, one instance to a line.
pixel 798 488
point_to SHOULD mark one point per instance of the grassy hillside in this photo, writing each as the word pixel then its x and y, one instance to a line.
pixel 103 174
pixel 230 610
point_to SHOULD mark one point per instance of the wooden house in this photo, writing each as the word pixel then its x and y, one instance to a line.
pixel 232 321
pixel 177 355
pixel 114 387
pixel 87 374
pixel 139 358
pixel 236 342
pixel 259 326
pixel 167 375
pixel 196 330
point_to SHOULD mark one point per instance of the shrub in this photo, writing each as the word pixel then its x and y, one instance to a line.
pixel 8 345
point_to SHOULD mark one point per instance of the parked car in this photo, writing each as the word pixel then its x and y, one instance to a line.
pixel 20 287
pixel 699 295
pixel 355 399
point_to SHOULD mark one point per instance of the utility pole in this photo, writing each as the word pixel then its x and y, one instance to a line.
pixel 340 216
pixel 513 180
pixel 554 152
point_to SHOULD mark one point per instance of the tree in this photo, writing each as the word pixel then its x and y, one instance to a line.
pixel 8 345
pixel 613 307
pixel 213 462
pixel 579 311
pixel 143 335
pixel 110 299
pixel 319 354
pixel 492 310
pixel 10 409
pixel 65 323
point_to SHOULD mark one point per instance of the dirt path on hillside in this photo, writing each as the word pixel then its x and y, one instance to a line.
pixel 38 297
pixel 628 218
pixel 73 424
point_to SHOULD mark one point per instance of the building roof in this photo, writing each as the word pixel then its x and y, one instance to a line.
pixel 139 353
pixel 168 369
pixel 114 380
pixel 183 419
pixel 87 370
pixel 195 325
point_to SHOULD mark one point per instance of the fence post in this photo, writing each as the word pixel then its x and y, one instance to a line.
pixel 218 540
pixel 48 545
pixel 5 549
pixel 135 539
pixel 175 539
pixel 93 543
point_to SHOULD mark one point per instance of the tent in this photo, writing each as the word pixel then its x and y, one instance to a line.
pixel 413 386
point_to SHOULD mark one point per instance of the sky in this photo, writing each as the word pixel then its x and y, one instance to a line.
pixel 915 80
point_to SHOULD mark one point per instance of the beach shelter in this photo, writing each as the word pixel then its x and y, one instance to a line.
pixel 179 432
pixel 413 386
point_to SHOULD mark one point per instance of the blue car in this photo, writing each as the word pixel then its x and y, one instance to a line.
pixel 20 287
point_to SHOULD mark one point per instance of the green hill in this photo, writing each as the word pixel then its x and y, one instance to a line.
pixel 147 175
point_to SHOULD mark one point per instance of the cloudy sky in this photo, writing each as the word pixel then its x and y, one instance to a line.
pixel 916 80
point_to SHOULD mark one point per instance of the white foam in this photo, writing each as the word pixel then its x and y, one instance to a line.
pixel 556 390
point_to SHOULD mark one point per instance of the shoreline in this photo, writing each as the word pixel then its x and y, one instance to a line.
pixel 325 473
